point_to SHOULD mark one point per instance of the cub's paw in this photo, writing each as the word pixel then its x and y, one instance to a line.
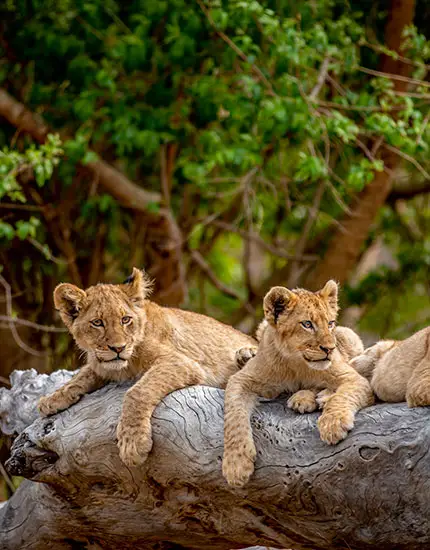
pixel 418 398
pixel 302 401
pixel 323 397
pixel 238 466
pixel 47 405
pixel 134 444
pixel 243 355
pixel 334 427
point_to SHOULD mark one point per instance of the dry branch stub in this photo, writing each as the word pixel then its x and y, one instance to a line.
pixel 370 491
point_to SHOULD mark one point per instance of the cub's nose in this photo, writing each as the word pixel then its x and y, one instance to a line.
pixel 117 349
pixel 327 350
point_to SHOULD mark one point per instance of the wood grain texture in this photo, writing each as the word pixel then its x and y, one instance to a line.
pixel 370 491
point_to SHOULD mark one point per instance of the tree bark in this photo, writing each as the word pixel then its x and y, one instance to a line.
pixel 370 491
pixel 354 229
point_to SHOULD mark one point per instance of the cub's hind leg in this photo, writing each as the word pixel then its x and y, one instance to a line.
pixel 418 388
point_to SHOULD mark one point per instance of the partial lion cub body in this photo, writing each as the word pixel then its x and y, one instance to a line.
pixel 125 335
pixel 297 353
pixel 399 370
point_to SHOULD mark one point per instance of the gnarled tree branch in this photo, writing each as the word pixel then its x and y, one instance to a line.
pixel 368 491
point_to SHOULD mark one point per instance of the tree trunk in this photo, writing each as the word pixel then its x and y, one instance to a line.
pixel 354 229
pixel 370 491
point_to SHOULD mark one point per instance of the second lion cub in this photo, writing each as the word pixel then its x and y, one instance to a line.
pixel 297 353
pixel 399 370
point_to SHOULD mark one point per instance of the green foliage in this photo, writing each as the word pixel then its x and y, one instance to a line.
pixel 41 160
pixel 236 90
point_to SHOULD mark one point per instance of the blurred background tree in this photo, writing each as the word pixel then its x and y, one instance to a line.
pixel 225 146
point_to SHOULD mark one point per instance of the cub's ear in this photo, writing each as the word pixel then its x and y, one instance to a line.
pixel 276 302
pixel 138 285
pixel 69 300
pixel 329 292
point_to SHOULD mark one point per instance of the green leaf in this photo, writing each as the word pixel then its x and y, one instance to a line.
pixel 89 157
pixel 6 231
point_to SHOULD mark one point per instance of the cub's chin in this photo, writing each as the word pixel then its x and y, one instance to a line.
pixel 115 364
pixel 319 365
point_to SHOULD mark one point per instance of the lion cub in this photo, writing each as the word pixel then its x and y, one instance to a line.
pixel 399 370
pixel 297 353
pixel 125 335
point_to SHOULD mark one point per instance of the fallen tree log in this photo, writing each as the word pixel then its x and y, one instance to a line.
pixel 370 491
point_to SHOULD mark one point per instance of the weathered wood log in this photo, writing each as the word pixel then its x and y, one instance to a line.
pixel 370 491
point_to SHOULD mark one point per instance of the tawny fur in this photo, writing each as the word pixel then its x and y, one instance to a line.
pixel 399 370
pixel 172 348
pixel 296 359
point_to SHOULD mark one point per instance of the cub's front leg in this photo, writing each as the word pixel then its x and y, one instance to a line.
pixel 352 393
pixel 241 394
pixel 85 381
pixel 167 374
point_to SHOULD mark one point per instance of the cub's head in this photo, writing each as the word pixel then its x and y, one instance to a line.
pixel 304 322
pixel 105 320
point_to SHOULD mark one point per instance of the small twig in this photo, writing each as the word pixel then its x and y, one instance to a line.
pixel 332 104
pixel 36 326
pixel 321 79
pixel 396 56
pixel 415 95
pixel 92 30
pixel 336 194
pixel 6 478
pixel 340 90
pixel 303 239
pixel 5 381
pixel 46 252
pixel 253 237
pixel 423 127
pixel 118 20
pixel 12 206
pixel 398 77
pixel 377 145
pixel 165 187
pixel 12 326
pixel 410 159
pixel 204 266
pixel 365 149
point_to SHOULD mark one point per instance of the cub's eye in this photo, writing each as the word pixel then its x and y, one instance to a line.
pixel 97 323
pixel 307 324
pixel 331 324
pixel 126 320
